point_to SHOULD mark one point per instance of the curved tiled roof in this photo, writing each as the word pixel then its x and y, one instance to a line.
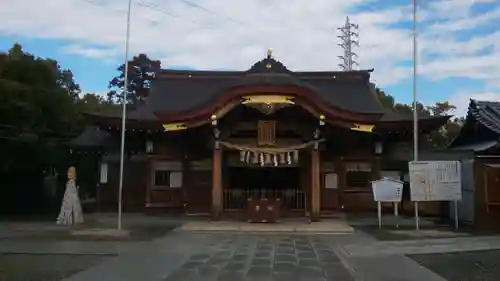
pixel 187 92
pixel 487 113
pixel 91 137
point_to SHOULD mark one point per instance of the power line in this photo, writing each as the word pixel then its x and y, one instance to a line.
pixel 189 3
pixel 162 10
pixel 146 5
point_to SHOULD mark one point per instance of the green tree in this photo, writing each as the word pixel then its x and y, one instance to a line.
pixel 142 70
pixel 389 102
pixel 450 130
pixel 386 100
pixel 37 108
pixel 439 138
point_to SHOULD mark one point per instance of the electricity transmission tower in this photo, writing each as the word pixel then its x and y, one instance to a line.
pixel 348 41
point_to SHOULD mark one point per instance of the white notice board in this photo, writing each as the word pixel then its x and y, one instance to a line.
pixel 387 190
pixel 435 180
pixel 331 181
pixel 104 173
pixel 175 179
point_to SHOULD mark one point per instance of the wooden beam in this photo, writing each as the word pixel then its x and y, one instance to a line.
pixel 315 186
pixel 217 184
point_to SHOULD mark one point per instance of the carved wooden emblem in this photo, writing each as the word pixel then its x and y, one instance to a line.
pixel 266 133
pixel 362 128
pixel 268 104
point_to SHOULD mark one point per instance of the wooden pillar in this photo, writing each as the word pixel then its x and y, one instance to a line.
pixel 315 185
pixel 149 181
pixel 340 171
pixel 375 175
pixel 186 182
pixel 217 183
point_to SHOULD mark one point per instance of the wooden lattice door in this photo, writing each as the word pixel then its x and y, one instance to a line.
pixel 266 134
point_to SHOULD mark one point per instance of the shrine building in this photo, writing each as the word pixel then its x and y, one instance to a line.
pixel 209 142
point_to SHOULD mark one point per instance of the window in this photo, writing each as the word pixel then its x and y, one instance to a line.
pixel 104 173
pixel 167 179
pixel 167 175
pixel 358 175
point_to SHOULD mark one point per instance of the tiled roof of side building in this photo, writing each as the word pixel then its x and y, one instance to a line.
pixel 486 113
pixel 91 137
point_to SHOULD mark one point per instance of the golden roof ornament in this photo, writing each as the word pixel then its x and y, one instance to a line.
pixel 269 53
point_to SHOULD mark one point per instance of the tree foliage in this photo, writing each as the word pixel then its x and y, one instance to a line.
pixel 438 138
pixel 141 71
pixel 39 109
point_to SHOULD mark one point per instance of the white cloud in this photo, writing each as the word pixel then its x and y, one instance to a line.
pixel 91 52
pixel 467 23
pixel 302 33
pixel 461 100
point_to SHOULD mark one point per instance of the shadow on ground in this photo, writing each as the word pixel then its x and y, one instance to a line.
pixel 137 233
pixel 470 266
pixel 45 267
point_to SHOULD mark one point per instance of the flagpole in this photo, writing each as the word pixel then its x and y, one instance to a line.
pixel 124 117
pixel 415 109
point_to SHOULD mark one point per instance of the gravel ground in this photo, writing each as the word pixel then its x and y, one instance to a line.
pixel 391 233
pixel 464 266
pixel 25 267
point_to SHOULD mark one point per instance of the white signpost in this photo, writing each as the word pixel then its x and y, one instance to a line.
pixel 436 181
pixel 387 190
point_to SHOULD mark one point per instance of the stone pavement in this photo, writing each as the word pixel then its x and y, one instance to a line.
pixel 191 257
pixel 220 257
pixel 188 256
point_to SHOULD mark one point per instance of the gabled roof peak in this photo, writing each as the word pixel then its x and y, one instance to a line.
pixel 269 65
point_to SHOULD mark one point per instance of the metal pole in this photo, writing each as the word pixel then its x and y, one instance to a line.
pixel 379 214
pixel 124 117
pixel 415 112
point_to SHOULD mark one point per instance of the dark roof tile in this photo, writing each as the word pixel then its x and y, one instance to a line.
pixel 91 137
pixel 170 95
pixel 487 113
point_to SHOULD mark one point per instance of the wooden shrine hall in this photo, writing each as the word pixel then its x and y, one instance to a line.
pixel 258 144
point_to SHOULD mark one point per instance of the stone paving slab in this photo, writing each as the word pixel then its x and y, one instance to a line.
pixel 423 246
pixel 326 227
pixel 391 268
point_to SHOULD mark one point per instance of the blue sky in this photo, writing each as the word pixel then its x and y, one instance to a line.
pixel 459 40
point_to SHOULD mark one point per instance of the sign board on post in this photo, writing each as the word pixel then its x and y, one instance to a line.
pixel 436 181
pixel 387 190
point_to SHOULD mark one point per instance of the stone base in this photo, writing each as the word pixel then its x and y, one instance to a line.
pixel 322 227
pixel 106 232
